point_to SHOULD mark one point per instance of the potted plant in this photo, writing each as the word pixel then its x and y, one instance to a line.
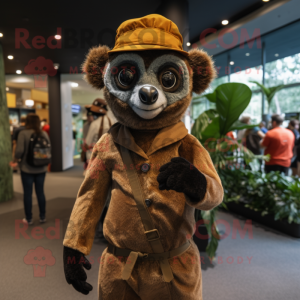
pixel 210 128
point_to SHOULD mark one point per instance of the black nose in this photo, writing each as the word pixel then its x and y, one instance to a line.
pixel 148 94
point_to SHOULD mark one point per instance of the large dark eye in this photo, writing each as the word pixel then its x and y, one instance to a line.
pixel 168 80
pixel 126 77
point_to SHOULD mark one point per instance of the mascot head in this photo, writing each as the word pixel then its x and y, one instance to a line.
pixel 148 79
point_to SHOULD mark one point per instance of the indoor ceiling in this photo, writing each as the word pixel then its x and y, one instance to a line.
pixel 22 82
pixel 88 23
pixel 209 14
pixel 82 94
pixel 98 19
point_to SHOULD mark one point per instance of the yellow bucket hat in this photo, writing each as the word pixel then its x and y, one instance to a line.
pixel 152 32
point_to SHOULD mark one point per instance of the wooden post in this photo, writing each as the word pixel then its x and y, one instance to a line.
pixel 6 182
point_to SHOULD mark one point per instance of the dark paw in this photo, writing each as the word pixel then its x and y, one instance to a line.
pixel 183 177
pixel 74 262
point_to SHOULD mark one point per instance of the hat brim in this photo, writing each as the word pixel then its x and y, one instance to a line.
pixel 98 110
pixel 144 48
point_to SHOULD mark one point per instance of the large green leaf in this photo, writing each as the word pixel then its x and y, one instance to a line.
pixel 202 122
pixel 273 91
pixel 212 97
pixel 269 92
pixel 232 100
pixel 212 130
pixel 264 88
pixel 238 125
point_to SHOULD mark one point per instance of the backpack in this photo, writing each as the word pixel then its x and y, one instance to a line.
pixel 39 151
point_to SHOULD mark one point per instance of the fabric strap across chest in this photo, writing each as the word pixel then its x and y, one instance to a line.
pixel 151 232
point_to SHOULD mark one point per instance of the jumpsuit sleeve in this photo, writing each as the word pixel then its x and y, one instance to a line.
pixel 192 150
pixel 90 200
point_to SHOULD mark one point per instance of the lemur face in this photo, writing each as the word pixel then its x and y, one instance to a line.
pixel 147 90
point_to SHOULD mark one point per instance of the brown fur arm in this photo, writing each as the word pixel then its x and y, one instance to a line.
pixel 90 201
pixel 194 152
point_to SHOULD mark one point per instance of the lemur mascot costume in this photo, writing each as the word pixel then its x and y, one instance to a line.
pixel 157 172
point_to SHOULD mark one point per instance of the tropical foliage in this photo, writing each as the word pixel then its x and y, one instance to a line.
pixel 274 193
pixel 269 92
pixel 210 129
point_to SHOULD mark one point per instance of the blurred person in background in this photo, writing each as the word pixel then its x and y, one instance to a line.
pixel 253 138
pixel 99 126
pixel 279 143
pixel 31 174
pixel 241 133
pixel 298 156
pixel 45 126
pixel 91 116
pixel 74 136
pixel 262 126
pixel 17 130
pixel 96 130
pixel 294 127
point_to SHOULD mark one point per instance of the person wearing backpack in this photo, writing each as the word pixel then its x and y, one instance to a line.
pixel 33 153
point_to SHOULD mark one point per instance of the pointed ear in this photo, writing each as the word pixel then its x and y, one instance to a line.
pixel 203 70
pixel 94 66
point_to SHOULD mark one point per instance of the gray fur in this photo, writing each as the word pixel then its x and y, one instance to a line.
pixel 166 59
pixel 109 80
pixel 148 77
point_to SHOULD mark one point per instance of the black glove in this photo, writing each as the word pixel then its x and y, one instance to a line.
pixel 183 177
pixel 74 261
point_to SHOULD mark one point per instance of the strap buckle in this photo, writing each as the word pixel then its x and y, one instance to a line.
pixel 152 235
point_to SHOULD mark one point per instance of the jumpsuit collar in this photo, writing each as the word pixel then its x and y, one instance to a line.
pixel 165 137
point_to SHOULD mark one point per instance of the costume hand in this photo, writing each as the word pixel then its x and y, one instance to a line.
pixel 74 261
pixel 183 177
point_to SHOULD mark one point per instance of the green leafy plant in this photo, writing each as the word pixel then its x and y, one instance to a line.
pixel 231 100
pixel 269 92
pixel 273 194
pixel 211 127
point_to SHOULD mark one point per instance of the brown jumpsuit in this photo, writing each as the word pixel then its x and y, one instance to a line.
pixel 172 213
